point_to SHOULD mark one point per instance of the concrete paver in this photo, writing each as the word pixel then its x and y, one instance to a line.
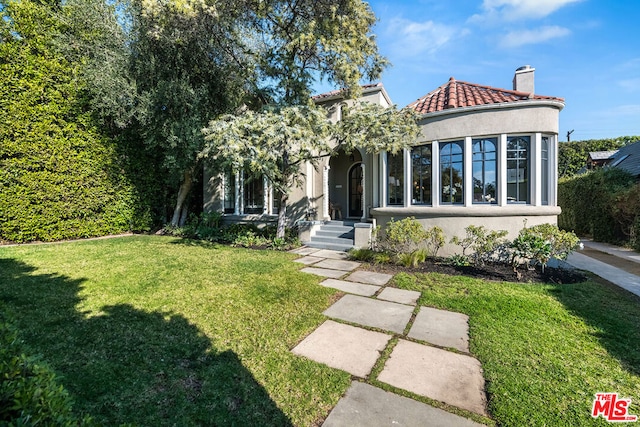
pixel 328 253
pixel 370 312
pixel 344 347
pixel 324 272
pixel 304 251
pixel 308 260
pixel 442 375
pixel 443 328
pixel 368 406
pixel 625 280
pixel 370 277
pixel 401 296
pixel 351 287
pixel 337 264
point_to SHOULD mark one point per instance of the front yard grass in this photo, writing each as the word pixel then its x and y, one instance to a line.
pixel 545 349
pixel 155 330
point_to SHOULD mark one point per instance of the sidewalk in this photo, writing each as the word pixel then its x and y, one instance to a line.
pixel 616 271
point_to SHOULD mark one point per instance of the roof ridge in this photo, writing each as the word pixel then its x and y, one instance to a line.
pixel 458 94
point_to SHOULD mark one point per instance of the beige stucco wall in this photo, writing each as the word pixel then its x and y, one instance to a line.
pixel 453 220
pixel 528 117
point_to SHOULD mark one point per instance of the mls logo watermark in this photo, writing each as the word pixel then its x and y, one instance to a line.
pixel 612 408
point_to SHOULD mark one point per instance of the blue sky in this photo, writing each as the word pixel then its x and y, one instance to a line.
pixel 586 51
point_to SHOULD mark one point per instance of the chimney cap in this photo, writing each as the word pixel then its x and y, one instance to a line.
pixel 524 68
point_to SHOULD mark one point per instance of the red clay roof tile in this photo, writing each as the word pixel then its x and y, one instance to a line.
pixel 457 94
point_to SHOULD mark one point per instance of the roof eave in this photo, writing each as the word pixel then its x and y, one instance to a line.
pixel 498 106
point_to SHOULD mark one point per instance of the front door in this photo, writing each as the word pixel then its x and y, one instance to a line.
pixel 355 191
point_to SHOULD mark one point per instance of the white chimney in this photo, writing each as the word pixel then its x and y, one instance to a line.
pixel 523 79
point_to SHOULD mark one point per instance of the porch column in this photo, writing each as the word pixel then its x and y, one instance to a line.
pixel 239 199
pixel 365 214
pixel 326 215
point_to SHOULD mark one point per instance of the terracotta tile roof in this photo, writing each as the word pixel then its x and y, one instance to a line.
pixel 457 94
pixel 341 91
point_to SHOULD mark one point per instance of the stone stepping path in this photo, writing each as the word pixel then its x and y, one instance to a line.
pixel 386 315
pixel 366 405
pixel 426 370
pixel 345 347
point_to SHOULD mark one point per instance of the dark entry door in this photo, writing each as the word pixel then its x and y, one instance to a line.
pixel 355 191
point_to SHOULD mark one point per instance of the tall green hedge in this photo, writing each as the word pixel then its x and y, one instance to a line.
pixel 60 177
pixel 573 155
pixel 604 204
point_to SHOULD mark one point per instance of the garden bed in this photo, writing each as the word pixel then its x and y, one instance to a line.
pixel 493 272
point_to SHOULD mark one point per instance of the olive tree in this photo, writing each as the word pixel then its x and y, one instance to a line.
pixel 276 143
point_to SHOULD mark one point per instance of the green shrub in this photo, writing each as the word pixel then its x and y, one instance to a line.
pixel 29 391
pixel 414 258
pixel 485 245
pixel 362 254
pixel 408 235
pixel 540 243
pixel 591 204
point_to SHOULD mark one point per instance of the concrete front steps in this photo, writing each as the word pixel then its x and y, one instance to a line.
pixel 334 235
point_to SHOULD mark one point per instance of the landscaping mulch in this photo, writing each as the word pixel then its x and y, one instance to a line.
pixel 494 272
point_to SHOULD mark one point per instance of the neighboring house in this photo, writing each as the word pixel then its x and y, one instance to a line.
pixel 627 158
pixel 485 156
pixel 598 159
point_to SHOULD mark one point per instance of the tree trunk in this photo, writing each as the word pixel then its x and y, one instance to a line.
pixel 178 219
pixel 282 215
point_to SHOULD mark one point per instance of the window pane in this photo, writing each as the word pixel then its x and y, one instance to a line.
pixel 395 179
pixel 451 172
pixel 518 169
pixel 421 174
pixel 544 179
pixel 484 170
pixel 253 194
pixel 229 192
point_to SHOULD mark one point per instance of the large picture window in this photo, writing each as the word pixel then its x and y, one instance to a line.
pixel 484 170
pixel 451 172
pixel 395 179
pixel 518 177
pixel 421 174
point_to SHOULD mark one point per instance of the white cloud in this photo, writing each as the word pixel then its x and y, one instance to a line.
pixel 631 85
pixel 540 35
pixel 512 10
pixel 411 38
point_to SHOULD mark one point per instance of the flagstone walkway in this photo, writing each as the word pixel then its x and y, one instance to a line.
pixel 430 357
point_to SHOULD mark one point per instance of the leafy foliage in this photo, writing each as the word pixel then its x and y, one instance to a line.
pixel 590 204
pixel 573 155
pixel 29 390
pixel 409 242
pixel 60 176
pixel 275 143
pixel 485 244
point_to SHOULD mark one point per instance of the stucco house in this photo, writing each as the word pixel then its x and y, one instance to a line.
pixel 485 156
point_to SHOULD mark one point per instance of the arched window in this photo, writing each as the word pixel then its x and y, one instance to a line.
pixel 421 174
pixel 484 170
pixel 451 173
pixel 518 177
pixel 544 163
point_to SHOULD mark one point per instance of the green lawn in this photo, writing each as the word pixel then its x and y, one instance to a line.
pixel 159 331
pixel 545 349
